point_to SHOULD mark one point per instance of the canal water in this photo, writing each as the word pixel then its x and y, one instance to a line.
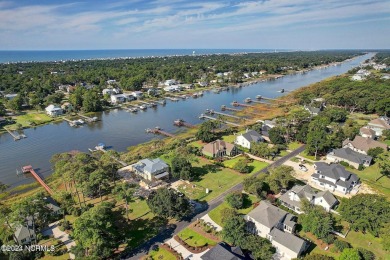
pixel 120 129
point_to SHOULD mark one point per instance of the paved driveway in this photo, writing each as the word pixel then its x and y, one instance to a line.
pixel 55 231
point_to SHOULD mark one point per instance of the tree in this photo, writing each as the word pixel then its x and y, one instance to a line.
pixel 181 168
pixel 235 200
pixel 206 131
pixel 76 98
pixel 261 248
pixel 317 221
pixel 3 187
pixel 241 166
pixel 234 231
pixel 335 114
pixel 276 135
pixel 125 191
pixel 350 254
pixel 257 127
pixel 383 161
pixel 228 213
pixel 16 103
pixel 365 254
pixel 317 137
pixel 375 152
pixel 317 257
pixel 366 212
pixel 386 134
pixel 385 236
pixel 280 177
pixel 256 186
pixel 2 109
pixel 96 231
pixel 91 101
pixel 168 204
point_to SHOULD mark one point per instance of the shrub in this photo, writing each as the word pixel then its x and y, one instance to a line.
pixel 341 245
pixel 235 200
pixel 345 164
pixel 329 239
pixel 241 166
pixel 366 254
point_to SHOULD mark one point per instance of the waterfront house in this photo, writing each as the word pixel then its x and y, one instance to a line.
pixel 52 205
pixel 249 137
pixel 151 169
pixel 379 125
pixel 334 177
pixel 349 156
pixel 292 199
pixel 219 148
pixel 203 84
pixel 53 110
pixel 278 227
pixel 170 82
pixel 173 88
pixel 362 145
pixel 137 94
pixel 119 98
pixel 225 252
pixel 270 123
pixel 24 234
pixel 367 132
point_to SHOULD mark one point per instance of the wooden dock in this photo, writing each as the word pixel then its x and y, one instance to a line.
pixel 211 112
pixel 88 119
pixel 223 108
pixel 15 136
pixel 203 116
pixel 162 102
pixel 236 104
pixel 29 169
pixel 158 130
pixel 181 122
pixel 172 98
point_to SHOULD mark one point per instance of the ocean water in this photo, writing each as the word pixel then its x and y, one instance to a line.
pixel 61 55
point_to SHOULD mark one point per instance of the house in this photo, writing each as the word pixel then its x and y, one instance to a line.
pixel 151 169
pixel 379 125
pixel 219 148
pixel 292 199
pixel 312 110
pixel 170 82
pixel 250 136
pixel 10 96
pixel 53 110
pixel 173 88
pixel 137 94
pixel 24 234
pixel 349 156
pixel 111 81
pixel 119 98
pixel 52 205
pixel 362 145
pixel 357 77
pixel 278 227
pixel 270 123
pixel 203 84
pixel 367 132
pixel 225 252
pixel 188 86
pixel 108 91
pixel 334 177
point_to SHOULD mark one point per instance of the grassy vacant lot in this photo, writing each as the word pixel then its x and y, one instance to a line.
pixel 216 214
pixel 161 254
pixel 32 117
pixel 193 238
pixel 255 165
pixel 370 176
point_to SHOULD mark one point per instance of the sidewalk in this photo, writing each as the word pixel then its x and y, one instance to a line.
pixel 55 231
pixel 207 219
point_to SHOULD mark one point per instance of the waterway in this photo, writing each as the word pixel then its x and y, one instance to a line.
pixel 121 129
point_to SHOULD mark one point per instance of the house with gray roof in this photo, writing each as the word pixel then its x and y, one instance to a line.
pixel 292 199
pixel 151 169
pixel 278 226
pixel 224 251
pixel 334 177
pixel 246 139
pixel 52 205
pixel 24 234
pixel 349 156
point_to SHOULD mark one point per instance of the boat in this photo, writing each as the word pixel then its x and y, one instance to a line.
pixel 195 95
pixel 153 104
pixel 258 97
pixel 216 90
pixel 178 122
pixel 142 107
pixel 100 146
pixel 282 90
pixel 81 121
pixel 200 93
pixel 133 110
pixel 184 97
pixel 248 100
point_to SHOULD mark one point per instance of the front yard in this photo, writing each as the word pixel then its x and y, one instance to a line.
pixel 254 165
pixel 161 254
pixel 193 238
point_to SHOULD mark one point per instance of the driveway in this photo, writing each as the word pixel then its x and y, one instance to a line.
pixel 183 251
pixel 55 231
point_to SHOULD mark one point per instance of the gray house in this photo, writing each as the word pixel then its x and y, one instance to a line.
pixel 151 169
pixel 24 234
pixel 225 252
pixel 349 156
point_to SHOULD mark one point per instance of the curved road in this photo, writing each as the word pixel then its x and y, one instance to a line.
pixel 170 232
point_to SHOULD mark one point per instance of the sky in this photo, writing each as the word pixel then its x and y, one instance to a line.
pixel 196 24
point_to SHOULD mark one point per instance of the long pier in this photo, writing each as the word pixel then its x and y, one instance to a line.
pixel 210 111
pixel 202 116
pixel 30 169
pixel 181 122
pixel 236 104
pixel 89 119
pixel 112 157
pixel 15 136
pixel 157 130
pixel 223 108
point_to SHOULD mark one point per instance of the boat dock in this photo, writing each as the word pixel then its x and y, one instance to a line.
pixel 223 108
pixel 203 116
pixel 236 104
pixel 15 136
pixel 89 119
pixel 100 148
pixel 181 122
pixel 161 102
pixel 158 130
pixel 29 169
pixel 210 111
pixel 172 98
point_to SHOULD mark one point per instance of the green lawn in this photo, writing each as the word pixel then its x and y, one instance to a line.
pixel 255 165
pixel 310 157
pixel 196 144
pixel 370 175
pixel 283 153
pixel 193 238
pixel 32 117
pixel 216 214
pixel 161 254
pixel 293 145
pixel 229 138
pixel 387 142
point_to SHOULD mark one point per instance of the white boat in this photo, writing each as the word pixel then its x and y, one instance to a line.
pixel 142 107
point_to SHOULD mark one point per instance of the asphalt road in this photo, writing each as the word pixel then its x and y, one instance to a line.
pixel 174 230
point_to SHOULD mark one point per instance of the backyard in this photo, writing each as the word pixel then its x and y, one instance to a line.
pixel 370 175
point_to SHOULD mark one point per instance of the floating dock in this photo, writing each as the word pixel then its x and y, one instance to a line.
pixel 158 130
pixel 203 116
pixel 15 136
pixel 181 122
pixel 29 169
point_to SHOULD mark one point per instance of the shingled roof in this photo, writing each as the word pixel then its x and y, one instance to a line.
pixel 267 214
pixel 351 155
pixel 364 144
pixel 218 145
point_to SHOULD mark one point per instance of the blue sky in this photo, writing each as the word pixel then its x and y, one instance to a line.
pixel 160 24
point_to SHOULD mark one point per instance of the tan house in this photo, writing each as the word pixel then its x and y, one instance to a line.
pixel 367 132
pixel 219 148
pixel 362 145
pixel 379 125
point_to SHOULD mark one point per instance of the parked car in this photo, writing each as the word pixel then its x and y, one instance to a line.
pixel 302 168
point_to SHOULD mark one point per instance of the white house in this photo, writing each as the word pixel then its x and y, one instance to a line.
pixel 278 226
pixel 10 96
pixel 119 98
pixel 137 94
pixel 173 88
pixel 292 199
pixel 170 82
pixel 151 169
pixel 334 177
pixel 53 110
pixel 357 77
pixel 250 136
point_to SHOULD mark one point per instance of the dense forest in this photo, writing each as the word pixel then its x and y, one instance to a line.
pixel 383 57
pixel 43 77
